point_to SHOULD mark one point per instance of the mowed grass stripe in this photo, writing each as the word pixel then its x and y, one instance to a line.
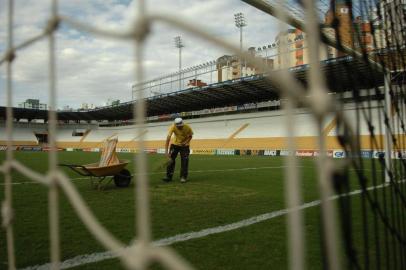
pixel 162 172
pixel 175 208
pixel 101 256
pixel 221 191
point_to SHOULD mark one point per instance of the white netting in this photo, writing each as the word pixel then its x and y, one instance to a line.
pixel 143 252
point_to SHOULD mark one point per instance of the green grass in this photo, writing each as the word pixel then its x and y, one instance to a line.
pixel 219 192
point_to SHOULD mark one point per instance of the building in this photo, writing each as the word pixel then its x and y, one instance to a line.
pixel 231 67
pixel 262 53
pixel 196 82
pixel 33 104
pixel 293 54
pixel 227 68
pixel 111 102
pixel 361 33
pixel 366 39
pixel 393 20
pixel 388 20
pixel 87 106
pixel 340 10
pixel 84 106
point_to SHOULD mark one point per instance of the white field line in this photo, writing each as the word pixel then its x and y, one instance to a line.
pixel 101 256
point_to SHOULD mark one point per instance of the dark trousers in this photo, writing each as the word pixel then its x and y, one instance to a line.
pixel 184 160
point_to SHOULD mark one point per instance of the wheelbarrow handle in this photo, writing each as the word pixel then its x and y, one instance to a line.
pixel 69 165
pixel 78 169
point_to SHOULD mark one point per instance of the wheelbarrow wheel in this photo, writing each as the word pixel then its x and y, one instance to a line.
pixel 123 178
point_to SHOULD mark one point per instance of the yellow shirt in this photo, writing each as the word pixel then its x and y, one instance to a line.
pixel 181 134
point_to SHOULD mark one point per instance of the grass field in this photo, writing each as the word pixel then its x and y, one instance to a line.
pixel 221 190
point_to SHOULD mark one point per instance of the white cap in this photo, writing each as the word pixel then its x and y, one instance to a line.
pixel 179 121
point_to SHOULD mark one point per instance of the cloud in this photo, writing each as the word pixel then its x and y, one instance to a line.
pixel 92 69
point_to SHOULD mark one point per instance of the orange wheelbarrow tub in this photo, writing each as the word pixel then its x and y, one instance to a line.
pixel 117 172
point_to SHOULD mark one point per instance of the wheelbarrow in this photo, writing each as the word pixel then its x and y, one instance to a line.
pixel 98 174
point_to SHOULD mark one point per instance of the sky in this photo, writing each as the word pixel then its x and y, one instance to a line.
pixel 92 69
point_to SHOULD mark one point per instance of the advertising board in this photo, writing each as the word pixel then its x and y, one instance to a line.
pixel 227 152
pixel 270 152
pixel 338 154
pixel 305 153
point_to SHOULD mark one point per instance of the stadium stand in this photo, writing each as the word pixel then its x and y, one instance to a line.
pixel 66 135
pixel 99 135
pixel 255 131
pixel 21 136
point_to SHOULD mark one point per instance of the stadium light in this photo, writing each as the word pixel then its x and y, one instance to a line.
pixel 179 44
pixel 240 23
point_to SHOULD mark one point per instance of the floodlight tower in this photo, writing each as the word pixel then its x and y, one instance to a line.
pixel 266 55
pixel 240 23
pixel 179 45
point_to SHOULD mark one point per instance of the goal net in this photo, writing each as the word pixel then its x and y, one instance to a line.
pixel 354 54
